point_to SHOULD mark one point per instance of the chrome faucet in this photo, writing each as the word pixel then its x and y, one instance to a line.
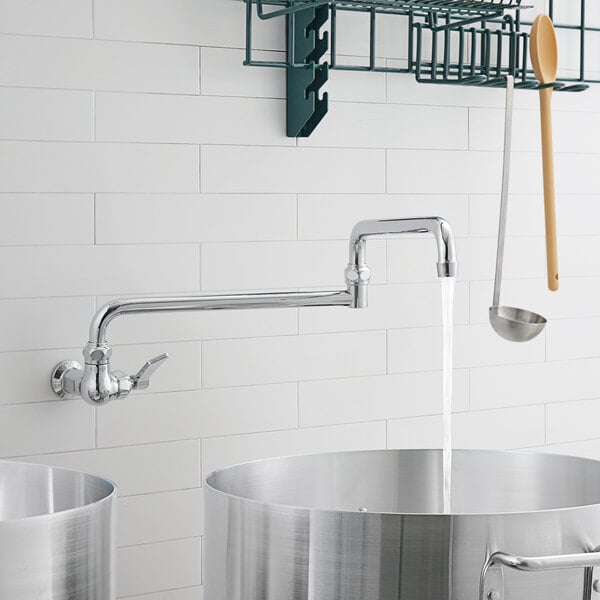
pixel 97 383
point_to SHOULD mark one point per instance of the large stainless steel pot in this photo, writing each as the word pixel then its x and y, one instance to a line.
pixel 367 526
pixel 56 534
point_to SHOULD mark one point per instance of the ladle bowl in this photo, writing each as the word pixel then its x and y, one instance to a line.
pixel 516 324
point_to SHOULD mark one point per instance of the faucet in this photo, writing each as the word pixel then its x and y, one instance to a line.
pixel 98 384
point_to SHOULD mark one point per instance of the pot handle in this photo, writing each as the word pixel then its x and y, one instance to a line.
pixel 587 560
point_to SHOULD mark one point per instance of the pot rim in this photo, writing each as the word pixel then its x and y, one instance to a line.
pixel 67 512
pixel 296 508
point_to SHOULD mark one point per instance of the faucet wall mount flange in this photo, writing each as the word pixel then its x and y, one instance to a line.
pixel 59 385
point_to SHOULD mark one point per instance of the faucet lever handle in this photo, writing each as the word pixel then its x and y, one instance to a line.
pixel 141 380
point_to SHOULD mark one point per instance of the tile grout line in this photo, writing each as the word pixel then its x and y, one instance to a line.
pixel 93 6
pixel 297 217
pixel 200 186
pixel 200 71
pixel 200 267
pixel 297 404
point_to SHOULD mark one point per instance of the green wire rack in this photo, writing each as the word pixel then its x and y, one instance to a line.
pixel 460 42
pixel 458 8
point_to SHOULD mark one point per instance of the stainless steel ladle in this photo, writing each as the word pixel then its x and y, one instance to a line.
pixel 513 324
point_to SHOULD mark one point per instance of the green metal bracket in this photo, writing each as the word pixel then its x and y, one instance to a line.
pixel 306 75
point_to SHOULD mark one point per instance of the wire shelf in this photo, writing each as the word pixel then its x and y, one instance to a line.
pixel 456 8
pixel 484 57
pixel 457 42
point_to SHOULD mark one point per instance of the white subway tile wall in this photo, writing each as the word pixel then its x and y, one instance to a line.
pixel 138 156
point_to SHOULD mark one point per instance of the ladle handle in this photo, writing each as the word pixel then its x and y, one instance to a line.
pixel 549 197
pixel 508 115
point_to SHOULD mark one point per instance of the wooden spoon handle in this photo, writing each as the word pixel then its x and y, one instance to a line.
pixel 549 201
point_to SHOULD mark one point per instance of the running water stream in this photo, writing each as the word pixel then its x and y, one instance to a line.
pixel 448 331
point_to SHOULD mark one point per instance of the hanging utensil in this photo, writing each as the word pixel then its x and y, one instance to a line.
pixel 544 58
pixel 513 324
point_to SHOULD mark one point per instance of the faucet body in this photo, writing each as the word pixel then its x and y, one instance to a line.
pixel 98 384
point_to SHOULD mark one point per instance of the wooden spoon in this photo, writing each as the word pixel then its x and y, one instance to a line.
pixel 544 58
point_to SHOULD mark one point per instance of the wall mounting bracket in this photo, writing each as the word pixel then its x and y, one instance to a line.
pixel 306 74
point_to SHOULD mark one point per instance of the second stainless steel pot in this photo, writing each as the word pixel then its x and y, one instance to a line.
pixel 57 534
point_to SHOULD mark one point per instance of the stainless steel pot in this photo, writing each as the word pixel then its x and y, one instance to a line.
pixel 56 534
pixel 367 526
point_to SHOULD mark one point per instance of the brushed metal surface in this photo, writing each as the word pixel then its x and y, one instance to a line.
pixel 57 534
pixel 291 528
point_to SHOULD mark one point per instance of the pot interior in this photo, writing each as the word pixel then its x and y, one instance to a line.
pixel 28 490
pixel 410 481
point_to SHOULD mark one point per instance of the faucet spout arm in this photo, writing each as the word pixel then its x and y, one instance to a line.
pixel 437 226
pixel 98 383
pixel 357 271
pixel 130 306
